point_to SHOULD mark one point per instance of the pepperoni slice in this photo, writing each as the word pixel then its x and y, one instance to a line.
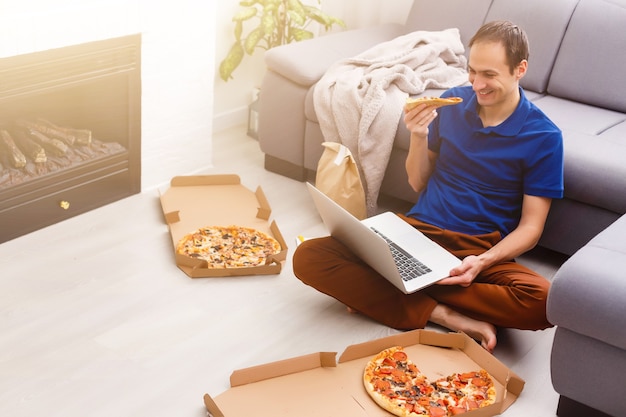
pixel 400 356
pixel 388 362
pixel 437 412
pixel 479 382
pixel 381 384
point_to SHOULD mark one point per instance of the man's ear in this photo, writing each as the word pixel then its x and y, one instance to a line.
pixel 520 71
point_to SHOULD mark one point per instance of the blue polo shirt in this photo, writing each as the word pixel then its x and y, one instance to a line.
pixel 481 174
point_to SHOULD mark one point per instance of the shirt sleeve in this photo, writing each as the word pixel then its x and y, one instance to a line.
pixel 544 171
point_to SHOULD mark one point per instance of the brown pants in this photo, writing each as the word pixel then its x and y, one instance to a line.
pixel 505 295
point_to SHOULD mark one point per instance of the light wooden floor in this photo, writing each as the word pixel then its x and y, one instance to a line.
pixel 96 320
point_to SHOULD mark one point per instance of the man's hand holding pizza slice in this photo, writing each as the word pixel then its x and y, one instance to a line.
pixel 417 122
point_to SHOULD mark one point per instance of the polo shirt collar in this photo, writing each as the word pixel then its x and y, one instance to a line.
pixel 512 125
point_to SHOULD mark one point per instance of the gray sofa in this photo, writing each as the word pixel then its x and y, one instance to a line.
pixel 576 75
pixel 587 304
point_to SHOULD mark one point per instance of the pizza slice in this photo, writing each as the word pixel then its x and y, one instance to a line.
pixel 392 381
pixel 412 102
pixel 466 391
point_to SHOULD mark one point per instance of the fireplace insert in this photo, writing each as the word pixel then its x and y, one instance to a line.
pixel 70 132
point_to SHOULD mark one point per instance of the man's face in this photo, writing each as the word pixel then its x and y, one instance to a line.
pixel 491 76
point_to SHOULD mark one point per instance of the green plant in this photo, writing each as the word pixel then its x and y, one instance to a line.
pixel 279 22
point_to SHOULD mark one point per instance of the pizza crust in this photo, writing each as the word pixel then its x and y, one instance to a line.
pixel 412 102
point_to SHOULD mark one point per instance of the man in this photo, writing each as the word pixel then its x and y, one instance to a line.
pixel 486 171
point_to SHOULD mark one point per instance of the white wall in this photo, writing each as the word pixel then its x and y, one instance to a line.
pixel 178 55
pixel 233 97
pixel 364 13
pixel 178 86
pixel 184 99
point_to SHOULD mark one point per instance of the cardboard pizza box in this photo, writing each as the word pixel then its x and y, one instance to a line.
pixel 192 202
pixel 319 385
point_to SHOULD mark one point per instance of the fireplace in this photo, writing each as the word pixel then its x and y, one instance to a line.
pixel 70 132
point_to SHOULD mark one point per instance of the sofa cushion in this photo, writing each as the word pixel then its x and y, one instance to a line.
pixel 309 105
pixel 595 170
pixel 616 134
pixel 545 32
pixel 590 65
pixel 588 291
pixel 571 224
pixel 305 62
pixel 579 117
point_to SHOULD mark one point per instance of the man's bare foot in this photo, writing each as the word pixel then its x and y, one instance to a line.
pixel 352 311
pixel 481 331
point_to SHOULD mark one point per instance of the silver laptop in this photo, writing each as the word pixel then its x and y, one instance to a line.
pixel 391 246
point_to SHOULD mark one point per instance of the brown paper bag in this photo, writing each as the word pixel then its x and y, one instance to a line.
pixel 338 177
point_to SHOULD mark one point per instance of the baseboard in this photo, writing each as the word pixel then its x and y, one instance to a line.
pixel 229 119
pixel 572 408
pixel 285 168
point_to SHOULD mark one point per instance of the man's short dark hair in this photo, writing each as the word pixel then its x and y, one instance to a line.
pixel 511 36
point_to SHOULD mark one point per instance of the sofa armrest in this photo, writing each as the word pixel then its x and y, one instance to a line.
pixel 305 62
pixel 588 293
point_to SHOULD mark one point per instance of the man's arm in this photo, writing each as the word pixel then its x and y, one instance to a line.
pixel 523 238
pixel 420 161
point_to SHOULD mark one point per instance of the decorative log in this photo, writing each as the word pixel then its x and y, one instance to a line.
pixel 50 131
pixel 81 136
pixel 52 145
pixel 32 149
pixel 16 157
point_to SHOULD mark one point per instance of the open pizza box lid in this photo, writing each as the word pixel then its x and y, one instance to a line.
pixel 192 202
pixel 317 385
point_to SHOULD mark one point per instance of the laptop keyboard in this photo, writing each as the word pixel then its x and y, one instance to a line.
pixel 408 266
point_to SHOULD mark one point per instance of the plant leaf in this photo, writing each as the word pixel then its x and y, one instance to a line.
pixel 270 6
pixel 297 18
pixel 245 14
pixel 231 62
pixel 252 40
pixel 337 21
pixel 324 19
pixel 238 30
pixel 301 34
pixel 296 6
pixel 268 23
